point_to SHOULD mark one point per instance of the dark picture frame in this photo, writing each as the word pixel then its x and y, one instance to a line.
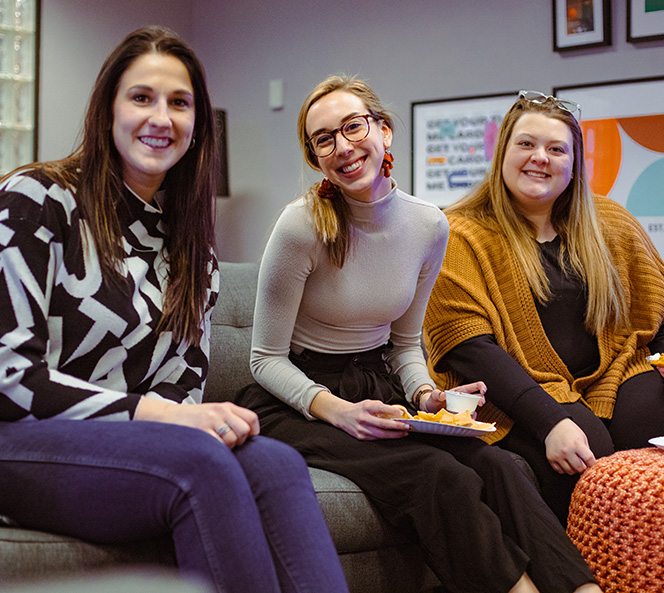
pixel 645 20
pixel 581 24
pixel 452 142
pixel 221 132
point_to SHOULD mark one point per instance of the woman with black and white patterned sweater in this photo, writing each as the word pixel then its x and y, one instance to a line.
pixel 107 282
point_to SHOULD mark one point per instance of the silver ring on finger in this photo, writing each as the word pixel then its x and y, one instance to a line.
pixel 223 429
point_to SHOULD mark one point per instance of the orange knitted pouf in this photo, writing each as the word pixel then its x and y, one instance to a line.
pixel 616 519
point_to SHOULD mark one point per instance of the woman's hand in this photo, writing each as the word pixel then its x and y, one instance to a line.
pixel 660 370
pixel 225 421
pixel 368 420
pixel 372 419
pixel 567 448
pixel 435 400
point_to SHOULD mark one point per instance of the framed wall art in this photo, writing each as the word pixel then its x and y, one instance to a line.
pixel 623 131
pixel 579 24
pixel 19 52
pixel 452 144
pixel 221 131
pixel 645 20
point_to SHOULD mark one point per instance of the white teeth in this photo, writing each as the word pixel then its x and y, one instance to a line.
pixel 156 142
pixel 351 167
pixel 536 174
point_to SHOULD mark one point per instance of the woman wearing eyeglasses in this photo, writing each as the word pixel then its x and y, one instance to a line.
pixel 342 292
pixel 554 298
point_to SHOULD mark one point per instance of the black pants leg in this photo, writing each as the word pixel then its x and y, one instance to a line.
pixel 478 519
pixel 639 411
pixel 555 564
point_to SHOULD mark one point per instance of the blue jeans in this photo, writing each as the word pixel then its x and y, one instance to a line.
pixel 246 520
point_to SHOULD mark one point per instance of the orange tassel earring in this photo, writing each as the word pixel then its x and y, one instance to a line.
pixel 388 159
pixel 326 190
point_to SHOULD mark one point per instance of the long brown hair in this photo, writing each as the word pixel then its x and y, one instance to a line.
pixel 94 173
pixel 331 213
pixel 573 217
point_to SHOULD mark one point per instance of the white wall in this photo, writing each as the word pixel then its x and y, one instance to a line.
pixel 409 51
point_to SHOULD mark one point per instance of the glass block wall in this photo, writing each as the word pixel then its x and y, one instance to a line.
pixel 18 71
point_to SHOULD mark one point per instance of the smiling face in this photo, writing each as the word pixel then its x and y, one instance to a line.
pixel 538 162
pixel 356 167
pixel 153 120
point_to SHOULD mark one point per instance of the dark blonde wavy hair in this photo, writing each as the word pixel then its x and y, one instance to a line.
pixel 94 173
pixel 331 215
pixel 574 218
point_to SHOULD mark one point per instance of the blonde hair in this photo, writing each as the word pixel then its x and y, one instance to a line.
pixel 573 217
pixel 331 214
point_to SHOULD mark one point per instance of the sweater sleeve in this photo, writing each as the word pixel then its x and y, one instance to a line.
pixel 509 386
pixel 406 358
pixel 30 388
pixel 287 262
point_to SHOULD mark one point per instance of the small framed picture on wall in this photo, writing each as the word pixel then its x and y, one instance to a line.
pixel 580 24
pixel 645 20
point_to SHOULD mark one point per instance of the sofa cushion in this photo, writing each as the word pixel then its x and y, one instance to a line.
pixel 232 320
pixel 25 552
pixel 112 580
pixel 353 522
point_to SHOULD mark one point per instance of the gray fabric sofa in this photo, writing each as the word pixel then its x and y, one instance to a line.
pixel 375 558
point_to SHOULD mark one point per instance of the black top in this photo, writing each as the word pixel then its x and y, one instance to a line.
pixel 563 317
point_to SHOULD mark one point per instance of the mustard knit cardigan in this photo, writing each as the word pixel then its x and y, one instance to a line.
pixel 480 290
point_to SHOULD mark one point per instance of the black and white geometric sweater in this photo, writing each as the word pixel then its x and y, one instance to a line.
pixel 72 346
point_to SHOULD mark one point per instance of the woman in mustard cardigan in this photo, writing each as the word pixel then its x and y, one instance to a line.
pixel 554 298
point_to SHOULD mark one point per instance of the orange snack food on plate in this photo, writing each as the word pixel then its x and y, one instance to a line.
pixel 461 419
pixel 444 417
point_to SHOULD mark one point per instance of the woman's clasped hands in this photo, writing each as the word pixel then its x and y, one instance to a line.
pixel 225 421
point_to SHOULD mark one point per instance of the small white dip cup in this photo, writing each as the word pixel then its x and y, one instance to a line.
pixel 455 401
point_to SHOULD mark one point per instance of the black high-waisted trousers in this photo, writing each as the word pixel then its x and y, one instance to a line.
pixel 479 520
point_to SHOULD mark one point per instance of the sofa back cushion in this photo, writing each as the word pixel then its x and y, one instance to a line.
pixel 232 321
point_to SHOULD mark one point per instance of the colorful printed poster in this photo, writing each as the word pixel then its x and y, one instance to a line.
pixel 453 142
pixel 623 131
